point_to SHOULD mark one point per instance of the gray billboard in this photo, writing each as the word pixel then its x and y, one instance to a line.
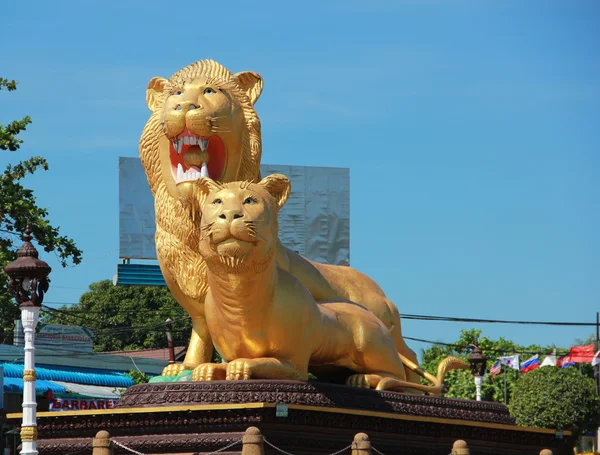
pixel 315 221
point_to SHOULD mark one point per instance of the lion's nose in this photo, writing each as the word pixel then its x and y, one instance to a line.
pixel 231 215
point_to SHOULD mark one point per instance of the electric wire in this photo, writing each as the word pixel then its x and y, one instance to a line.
pixel 493 321
pixel 464 347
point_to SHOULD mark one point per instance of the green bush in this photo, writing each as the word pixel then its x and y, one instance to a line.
pixel 553 397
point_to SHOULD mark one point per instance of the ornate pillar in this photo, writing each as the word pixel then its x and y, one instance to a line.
pixel 29 319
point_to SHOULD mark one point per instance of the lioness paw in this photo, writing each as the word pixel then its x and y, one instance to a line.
pixel 173 369
pixel 209 372
pixel 239 369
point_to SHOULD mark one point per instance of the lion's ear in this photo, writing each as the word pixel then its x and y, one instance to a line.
pixel 251 83
pixel 278 186
pixel 155 88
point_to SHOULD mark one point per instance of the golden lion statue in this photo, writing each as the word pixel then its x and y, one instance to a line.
pixel 203 124
pixel 261 318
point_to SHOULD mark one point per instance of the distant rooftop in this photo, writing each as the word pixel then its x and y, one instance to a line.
pixel 156 354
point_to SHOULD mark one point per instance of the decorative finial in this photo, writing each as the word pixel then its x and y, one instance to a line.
pixel 27 234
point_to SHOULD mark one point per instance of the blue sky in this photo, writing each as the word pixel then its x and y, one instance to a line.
pixel 471 130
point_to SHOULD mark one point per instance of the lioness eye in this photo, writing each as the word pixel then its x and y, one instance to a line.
pixel 217 202
pixel 209 91
pixel 249 200
pixel 178 92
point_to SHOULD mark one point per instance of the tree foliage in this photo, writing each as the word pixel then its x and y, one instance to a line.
pixel 126 317
pixel 18 207
pixel 460 383
pixel 138 377
pixel 553 397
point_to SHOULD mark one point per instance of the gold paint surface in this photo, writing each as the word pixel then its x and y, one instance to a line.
pixel 199 407
pixel 229 115
pixel 29 433
pixel 29 375
pixel 205 99
pixel 260 317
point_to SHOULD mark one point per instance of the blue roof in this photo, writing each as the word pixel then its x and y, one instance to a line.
pixel 78 376
pixel 140 275
pixel 15 385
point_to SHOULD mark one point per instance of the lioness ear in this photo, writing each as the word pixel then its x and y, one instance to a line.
pixel 278 186
pixel 205 185
pixel 155 88
pixel 251 83
pixel 193 195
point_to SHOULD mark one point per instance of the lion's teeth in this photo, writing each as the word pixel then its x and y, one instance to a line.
pixel 203 145
pixel 190 140
pixel 204 170
pixel 179 172
pixel 178 144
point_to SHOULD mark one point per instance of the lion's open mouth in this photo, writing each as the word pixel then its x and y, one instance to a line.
pixel 194 156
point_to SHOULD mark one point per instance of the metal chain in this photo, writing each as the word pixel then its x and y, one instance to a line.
pixel 275 447
pixel 126 448
pixel 210 453
pixel 224 448
pixel 288 453
pixel 123 446
pixel 343 450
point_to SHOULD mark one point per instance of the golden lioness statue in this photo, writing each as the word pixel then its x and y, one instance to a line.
pixel 203 124
pixel 262 319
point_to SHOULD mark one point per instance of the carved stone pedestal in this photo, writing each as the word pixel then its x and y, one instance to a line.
pixel 298 417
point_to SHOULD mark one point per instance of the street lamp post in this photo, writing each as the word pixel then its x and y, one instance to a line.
pixel 477 362
pixel 28 281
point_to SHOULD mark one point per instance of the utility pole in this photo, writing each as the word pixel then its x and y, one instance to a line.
pixel 169 326
pixel 596 348
pixel 504 368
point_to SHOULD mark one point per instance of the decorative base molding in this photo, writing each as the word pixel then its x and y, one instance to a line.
pixel 311 394
pixel 321 418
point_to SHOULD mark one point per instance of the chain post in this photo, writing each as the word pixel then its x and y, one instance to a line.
pixel 361 444
pixel 252 442
pixel 101 444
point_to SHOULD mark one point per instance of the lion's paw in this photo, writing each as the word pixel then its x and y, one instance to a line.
pixel 209 372
pixel 173 369
pixel 365 381
pixel 239 369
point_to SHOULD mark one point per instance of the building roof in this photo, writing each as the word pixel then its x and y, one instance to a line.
pixel 74 361
pixel 15 385
pixel 156 354
pixel 78 376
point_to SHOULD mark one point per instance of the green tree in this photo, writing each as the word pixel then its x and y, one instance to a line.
pixel 138 377
pixel 553 397
pixel 18 208
pixel 459 383
pixel 125 317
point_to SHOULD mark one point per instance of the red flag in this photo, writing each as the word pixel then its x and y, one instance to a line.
pixel 582 354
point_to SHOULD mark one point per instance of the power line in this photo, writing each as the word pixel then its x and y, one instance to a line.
pixel 115 330
pixel 462 347
pixel 422 317
pixel 407 316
